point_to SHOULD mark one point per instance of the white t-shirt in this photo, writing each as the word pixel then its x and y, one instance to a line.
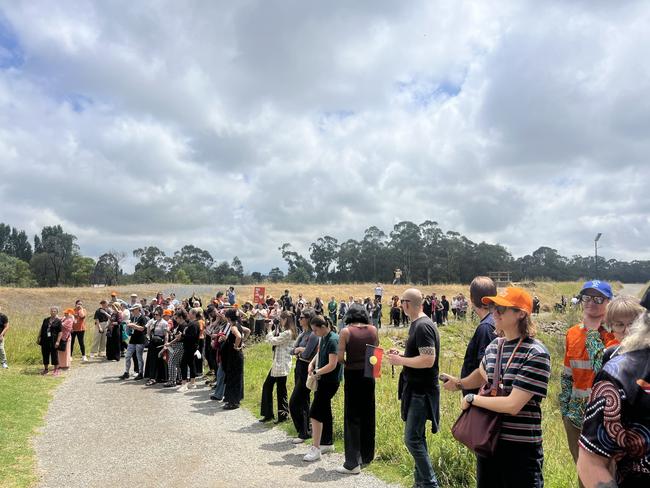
pixel 379 290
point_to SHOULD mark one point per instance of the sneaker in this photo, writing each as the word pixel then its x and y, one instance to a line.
pixel 5 366
pixel 213 397
pixel 124 376
pixel 138 377
pixel 344 470
pixel 298 440
pixel 312 455
pixel 324 449
pixel 84 359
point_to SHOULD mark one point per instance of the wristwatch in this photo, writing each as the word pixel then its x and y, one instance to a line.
pixel 469 398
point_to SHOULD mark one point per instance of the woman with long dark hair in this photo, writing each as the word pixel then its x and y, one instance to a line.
pixel 304 349
pixel 233 357
pixel 359 400
pixel 327 370
pixel 158 329
pixel 281 338
pixel 114 333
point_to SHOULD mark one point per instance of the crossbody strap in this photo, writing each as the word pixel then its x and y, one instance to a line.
pixel 496 379
pixel 512 356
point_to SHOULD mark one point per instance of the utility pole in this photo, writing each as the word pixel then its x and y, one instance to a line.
pixel 596 239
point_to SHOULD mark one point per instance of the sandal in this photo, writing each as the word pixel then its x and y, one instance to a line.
pixel 150 382
pixel 169 384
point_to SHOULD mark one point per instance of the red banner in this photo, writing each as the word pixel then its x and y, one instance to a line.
pixel 258 294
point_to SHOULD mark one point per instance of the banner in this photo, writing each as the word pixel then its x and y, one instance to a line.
pixel 374 356
pixel 258 294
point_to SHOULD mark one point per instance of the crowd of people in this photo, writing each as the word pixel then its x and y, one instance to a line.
pixel 605 383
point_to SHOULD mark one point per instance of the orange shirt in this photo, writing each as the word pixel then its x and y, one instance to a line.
pixel 79 320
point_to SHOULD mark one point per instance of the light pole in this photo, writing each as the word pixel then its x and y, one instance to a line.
pixel 596 239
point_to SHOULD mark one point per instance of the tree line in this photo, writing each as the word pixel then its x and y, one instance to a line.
pixel 425 254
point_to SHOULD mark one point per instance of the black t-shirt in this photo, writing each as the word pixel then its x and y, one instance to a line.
pixel 423 335
pixel 3 321
pixel 191 335
pixel 101 315
pixel 138 335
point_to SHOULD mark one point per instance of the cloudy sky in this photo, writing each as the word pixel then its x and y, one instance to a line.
pixel 237 126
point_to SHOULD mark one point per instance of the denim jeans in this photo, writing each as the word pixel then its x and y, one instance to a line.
pixel 138 349
pixel 416 441
pixel 220 387
pixel 3 355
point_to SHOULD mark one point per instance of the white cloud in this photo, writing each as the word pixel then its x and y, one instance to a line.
pixel 240 126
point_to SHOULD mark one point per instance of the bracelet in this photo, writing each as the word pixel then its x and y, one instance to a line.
pixel 459 384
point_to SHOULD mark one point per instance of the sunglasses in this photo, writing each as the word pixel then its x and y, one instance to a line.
pixel 404 301
pixel 501 309
pixel 589 298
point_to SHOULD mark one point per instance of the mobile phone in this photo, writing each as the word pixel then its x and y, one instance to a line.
pixel 443 378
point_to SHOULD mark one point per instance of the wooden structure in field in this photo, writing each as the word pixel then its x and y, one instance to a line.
pixel 501 278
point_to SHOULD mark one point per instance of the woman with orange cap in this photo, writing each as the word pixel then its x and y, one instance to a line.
pixel 64 345
pixel 525 368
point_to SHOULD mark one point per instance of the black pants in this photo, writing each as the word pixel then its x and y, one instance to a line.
pixel 299 403
pixel 50 354
pixel 198 363
pixel 524 466
pixel 358 418
pixel 259 327
pixel 395 316
pixel 266 409
pixel 80 337
pixel 210 354
pixel 321 409
pixel 187 361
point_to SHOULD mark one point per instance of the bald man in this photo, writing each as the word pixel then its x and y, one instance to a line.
pixel 419 391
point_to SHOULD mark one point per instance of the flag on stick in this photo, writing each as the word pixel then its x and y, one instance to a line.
pixel 374 356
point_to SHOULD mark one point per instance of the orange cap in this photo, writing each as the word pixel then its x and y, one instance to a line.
pixel 512 297
pixel 167 312
pixel 69 311
pixel 113 294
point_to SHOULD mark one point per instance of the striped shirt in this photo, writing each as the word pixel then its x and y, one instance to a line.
pixel 529 371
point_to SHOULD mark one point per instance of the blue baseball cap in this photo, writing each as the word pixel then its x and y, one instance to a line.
pixel 600 286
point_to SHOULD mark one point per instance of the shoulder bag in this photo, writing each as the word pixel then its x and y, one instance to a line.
pixel 479 428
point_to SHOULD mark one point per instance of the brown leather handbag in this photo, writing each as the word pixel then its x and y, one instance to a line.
pixel 479 428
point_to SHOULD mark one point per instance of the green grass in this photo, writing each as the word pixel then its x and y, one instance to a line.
pixel 454 464
pixel 23 402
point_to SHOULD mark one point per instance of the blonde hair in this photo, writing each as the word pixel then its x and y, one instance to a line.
pixel 622 308
pixel 639 335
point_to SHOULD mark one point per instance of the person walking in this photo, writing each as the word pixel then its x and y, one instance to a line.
pixel 359 391
pixel 418 391
pixel 584 348
pixel 102 318
pixel 79 330
pixel 525 370
pixel 304 349
pixel 48 339
pixel 281 339
pixel 4 327
pixel 327 371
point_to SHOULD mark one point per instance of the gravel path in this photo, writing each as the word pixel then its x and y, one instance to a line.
pixel 632 289
pixel 101 431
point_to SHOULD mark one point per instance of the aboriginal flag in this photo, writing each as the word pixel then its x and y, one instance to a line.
pixel 372 367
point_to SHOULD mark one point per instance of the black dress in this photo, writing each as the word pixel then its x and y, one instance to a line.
pixel 155 367
pixel 234 369
pixel 114 338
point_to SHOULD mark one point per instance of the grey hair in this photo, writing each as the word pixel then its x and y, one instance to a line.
pixel 56 307
pixel 639 336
